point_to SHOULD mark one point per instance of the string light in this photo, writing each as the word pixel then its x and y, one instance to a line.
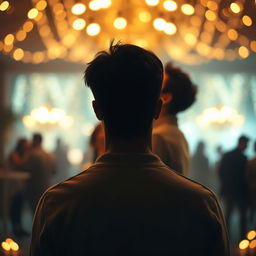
pixel 4 6
pixel 197 44
pixel 79 24
pixel 170 5
pixel 187 9
pixel 93 29
pixel 152 2
pixel 32 14
pixel 120 23
pixel 78 9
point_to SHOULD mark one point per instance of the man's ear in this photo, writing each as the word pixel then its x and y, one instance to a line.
pixel 158 108
pixel 97 110
pixel 166 98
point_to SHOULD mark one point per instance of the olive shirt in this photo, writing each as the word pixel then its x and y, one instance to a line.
pixel 129 204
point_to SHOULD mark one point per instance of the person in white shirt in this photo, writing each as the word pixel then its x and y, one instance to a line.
pixel 169 143
pixel 128 202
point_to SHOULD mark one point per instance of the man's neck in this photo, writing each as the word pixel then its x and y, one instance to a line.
pixel 134 145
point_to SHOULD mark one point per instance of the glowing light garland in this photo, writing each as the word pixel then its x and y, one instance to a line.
pixel 188 33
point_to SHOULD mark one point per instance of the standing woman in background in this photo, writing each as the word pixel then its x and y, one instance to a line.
pixel 17 161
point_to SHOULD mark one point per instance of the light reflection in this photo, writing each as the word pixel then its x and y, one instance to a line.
pixel 79 24
pixel 120 23
pixel 78 9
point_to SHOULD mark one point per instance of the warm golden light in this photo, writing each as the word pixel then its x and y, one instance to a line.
pixel 93 29
pixel 252 244
pixel 235 8
pixel 8 48
pixel 14 246
pixel 21 35
pixel 212 5
pixel 152 2
pixel 8 40
pixel 6 246
pixel 8 240
pixel 210 15
pixel 28 26
pixel 243 52
pixel 187 9
pixel 232 34
pixel 79 24
pixel 251 235
pixel 144 16
pixel 190 39
pixel 170 5
pixel 120 23
pixel 253 46
pixel 220 116
pixel 94 5
pixel 78 9
pixel 41 5
pixel 4 6
pixel 159 24
pixel 68 39
pixel 247 20
pixel 170 28
pixel 18 54
pixel 105 3
pixel 243 244
pixel 38 57
pixel 32 14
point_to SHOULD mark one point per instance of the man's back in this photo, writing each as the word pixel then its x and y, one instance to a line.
pixel 129 204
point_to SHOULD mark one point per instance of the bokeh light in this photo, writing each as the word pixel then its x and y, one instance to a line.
pixel 78 9
pixel 120 23
pixel 79 24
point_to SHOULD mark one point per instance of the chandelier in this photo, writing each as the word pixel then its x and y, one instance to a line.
pixel 47 117
pixel 192 32
pixel 220 117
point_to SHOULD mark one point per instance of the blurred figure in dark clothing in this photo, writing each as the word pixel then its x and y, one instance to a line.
pixel 233 186
pixel 62 163
pixel 200 166
pixel 251 180
pixel 17 161
pixel 41 166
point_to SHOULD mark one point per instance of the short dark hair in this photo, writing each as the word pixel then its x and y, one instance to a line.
pixel 243 138
pixel 178 83
pixel 38 138
pixel 126 84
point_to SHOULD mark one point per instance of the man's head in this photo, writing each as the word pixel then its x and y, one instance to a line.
pixel 178 91
pixel 37 139
pixel 126 84
pixel 242 142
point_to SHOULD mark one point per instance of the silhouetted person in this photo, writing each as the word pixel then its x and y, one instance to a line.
pixel 200 166
pixel 233 186
pixel 129 202
pixel 251 180
pixel 62 163
pixel 41 166
pixel 17 162
pixel 169 143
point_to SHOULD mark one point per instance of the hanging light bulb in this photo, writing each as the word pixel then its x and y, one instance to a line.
pixel 170 5
pixel 93 29
pixel 159 24
pixel 187 9
pixel 78 9
pixel 170 28
pixel 120 23
pixel 152 2
pixel 79 24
